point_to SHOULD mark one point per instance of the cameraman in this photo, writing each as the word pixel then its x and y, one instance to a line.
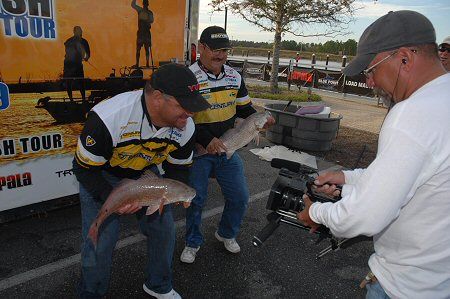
pixel 402 199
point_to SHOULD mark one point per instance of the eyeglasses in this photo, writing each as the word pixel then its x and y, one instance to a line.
pixel 369 71
pixel 443 48
pixel 217 51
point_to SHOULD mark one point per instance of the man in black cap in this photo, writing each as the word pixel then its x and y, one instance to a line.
pixel 402 198
pixel 123 137
pixel 225 90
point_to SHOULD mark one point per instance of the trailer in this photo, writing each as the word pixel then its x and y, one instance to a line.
pixel 57 60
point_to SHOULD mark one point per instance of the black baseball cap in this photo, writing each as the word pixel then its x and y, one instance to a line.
pixel 396 29
pixel 215 38
pixel 178 81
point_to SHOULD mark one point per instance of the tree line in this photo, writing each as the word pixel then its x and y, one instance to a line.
pixel 330 47
pixel 295 16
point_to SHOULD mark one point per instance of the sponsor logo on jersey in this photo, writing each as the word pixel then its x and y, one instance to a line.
pixel 90 141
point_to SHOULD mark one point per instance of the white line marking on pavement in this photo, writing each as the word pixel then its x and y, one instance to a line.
pixel 74 259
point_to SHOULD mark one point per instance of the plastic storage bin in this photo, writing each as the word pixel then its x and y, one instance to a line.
pixel 313 132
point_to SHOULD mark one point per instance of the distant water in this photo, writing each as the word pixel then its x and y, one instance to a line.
pixel 22 119
pixel 332 65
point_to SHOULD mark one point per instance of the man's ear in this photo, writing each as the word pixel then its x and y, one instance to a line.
pixel 408 58
pixel 201 47
pixel 155 97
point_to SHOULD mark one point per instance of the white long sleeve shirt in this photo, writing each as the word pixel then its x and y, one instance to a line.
pixel 403 198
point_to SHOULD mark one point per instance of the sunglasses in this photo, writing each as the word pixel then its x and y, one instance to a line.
pixel 444 48
pixel 217 51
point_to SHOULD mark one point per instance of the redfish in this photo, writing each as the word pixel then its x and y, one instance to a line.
pixel 244 132
pixel 149 190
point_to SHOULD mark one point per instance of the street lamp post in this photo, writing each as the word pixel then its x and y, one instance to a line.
pixel 226 16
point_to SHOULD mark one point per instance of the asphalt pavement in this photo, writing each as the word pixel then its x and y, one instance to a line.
pixel 40 255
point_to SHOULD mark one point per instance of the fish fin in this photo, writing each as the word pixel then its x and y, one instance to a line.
pixel 163 201
pixel 229 154
pixel 149 174
pixel 257 139
pixel 161 207
pixel 93 233
pixel 151 210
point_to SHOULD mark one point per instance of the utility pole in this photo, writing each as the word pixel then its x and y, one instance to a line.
pixel 226 16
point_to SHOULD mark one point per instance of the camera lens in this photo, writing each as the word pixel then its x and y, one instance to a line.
pixel 292 200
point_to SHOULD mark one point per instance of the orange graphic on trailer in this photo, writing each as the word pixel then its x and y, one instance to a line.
pixel 35 31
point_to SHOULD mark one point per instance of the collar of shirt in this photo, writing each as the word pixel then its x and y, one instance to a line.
pixel 146 114
pixel 211 75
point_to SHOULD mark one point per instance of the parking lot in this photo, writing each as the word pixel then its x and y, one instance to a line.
pixel 40 255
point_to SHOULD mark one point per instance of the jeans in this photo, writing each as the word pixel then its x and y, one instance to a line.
pixel 96 263
pixel 375 291
pixel 230 176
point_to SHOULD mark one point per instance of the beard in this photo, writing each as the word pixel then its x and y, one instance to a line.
pixel 385 97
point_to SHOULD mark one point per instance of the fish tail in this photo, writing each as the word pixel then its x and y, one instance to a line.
pixel 93 233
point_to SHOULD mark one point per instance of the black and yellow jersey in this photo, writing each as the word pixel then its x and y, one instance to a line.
pixel 228 97
pixel 119 137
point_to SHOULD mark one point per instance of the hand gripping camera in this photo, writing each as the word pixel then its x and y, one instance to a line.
pixel 285 201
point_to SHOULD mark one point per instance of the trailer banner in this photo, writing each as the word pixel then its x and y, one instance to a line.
pixel 28 19
pixel 36 152
pixel 4 96
pixel 57 62
pixel 36 181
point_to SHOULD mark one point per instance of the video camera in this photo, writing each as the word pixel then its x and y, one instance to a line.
pixel 285 201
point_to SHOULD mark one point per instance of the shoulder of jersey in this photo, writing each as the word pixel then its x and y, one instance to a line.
pixel 120 101
pixel 231 72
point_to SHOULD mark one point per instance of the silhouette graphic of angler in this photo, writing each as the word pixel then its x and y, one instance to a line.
pixel 144 36
pixel 77 50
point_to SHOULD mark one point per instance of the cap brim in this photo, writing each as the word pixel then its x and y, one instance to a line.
pixel 195 103
pixel 358 64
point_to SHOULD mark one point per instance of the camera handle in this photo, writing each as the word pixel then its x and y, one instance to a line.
pixel 261 237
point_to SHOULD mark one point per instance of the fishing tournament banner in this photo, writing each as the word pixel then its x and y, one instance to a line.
pixel 302 76
pixel 328 80
pixel 41 117
pixel 254 70
pixel 357 85
pixel 237 65
pixel 283 72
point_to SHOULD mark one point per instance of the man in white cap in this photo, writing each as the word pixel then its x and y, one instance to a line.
pixel 402 199
pixel 444 49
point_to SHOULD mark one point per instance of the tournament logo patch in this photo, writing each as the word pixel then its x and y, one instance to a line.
pixel 90 141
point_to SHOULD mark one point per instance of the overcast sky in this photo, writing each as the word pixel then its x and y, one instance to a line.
pixel 437 11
